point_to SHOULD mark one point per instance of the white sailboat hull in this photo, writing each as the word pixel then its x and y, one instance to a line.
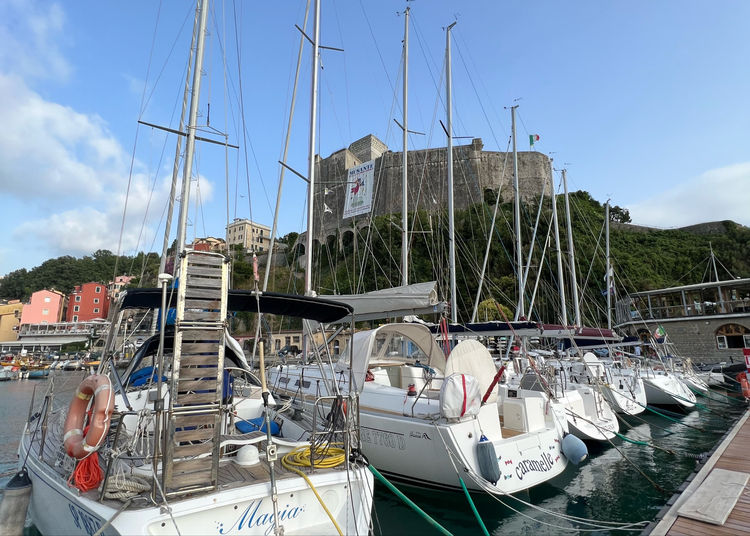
pixel 429 454
pixel 629 400
pixel 667 390
pixel 59 509
pixel 406 439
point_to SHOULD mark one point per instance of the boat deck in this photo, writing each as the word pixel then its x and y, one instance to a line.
pixel 713 491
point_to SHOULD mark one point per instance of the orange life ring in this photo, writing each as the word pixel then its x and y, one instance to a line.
pixel 99 387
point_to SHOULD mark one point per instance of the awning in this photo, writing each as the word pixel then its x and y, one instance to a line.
pixel 47 340
pixel 322 310
pixel 415 299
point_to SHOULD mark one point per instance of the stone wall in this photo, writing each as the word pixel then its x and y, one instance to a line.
pixel 696 338
pixel 474 172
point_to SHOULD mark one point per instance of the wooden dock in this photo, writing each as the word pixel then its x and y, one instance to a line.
pixel 718 492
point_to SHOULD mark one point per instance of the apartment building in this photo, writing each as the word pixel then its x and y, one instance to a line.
pixel 44 307
pixel 10 319
pixel 253 237
pixel 87 302
pixel 116 286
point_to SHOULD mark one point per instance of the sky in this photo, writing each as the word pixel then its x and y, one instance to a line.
pixel 644 103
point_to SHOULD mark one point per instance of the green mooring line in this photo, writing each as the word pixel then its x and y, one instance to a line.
pixel 710 394
pixel 408 501
pixel 473 507
pixel 649 408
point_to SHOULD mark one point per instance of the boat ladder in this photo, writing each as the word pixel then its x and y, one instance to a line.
pixel 193 430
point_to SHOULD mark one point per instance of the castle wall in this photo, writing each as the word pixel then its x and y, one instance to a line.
pixel 474 172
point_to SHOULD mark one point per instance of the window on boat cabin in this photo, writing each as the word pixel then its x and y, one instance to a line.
pixel 397 346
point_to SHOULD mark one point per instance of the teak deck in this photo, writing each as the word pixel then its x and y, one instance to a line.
pixel 734 455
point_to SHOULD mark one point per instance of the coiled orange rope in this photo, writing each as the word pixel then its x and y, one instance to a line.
pixel 87 475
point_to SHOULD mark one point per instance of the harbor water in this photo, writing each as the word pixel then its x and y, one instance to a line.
pixel 623 482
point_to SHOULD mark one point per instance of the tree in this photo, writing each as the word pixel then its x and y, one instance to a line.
pixel 619 214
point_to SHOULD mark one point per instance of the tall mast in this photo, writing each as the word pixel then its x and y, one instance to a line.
pixel 451 218
pixel 571 252
pixel 404 174
pixel 560 275
pixel 608 268
pixel 177 153
pixel 192 127
pixel 286 151
pixel 311 156
pixel 519 257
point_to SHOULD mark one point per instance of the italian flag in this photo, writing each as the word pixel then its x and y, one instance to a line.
pixel 532 139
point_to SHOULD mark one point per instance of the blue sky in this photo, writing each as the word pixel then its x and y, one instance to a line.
pixel 644 102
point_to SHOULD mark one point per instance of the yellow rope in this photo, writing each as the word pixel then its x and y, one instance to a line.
pixel 325 458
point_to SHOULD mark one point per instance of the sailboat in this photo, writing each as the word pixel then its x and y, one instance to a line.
pixel 424 416
pixel 184 441
pixel 426 419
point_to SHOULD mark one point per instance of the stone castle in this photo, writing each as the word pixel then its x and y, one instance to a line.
pixel 475 172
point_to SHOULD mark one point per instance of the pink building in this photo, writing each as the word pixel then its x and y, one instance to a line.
pixel 117 285
pixel 87 302
pixel 45 307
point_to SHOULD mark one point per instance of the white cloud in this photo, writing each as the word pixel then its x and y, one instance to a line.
pixel 718 194
pixel 31 34
pixel 49 151
pixel 85 229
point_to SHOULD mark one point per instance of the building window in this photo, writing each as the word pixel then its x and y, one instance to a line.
pixel 277 343
pixel 296 339
pixel 47 299
pixel 96 300
pixel 287 341
pixel 78 298
pixel 76 308
pixel 731 336
pixel 747 340
pixel 336 347
pixel 75 318
pixel 98 290
pixel 45 311
pixel 96 309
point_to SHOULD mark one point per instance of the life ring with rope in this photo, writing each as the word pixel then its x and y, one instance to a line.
pixel 98 387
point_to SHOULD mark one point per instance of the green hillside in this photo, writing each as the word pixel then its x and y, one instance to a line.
pixel 642 258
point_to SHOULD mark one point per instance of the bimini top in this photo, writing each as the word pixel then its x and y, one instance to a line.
pixel 293 305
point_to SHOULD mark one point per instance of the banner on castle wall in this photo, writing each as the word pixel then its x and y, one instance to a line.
pixel 360 182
